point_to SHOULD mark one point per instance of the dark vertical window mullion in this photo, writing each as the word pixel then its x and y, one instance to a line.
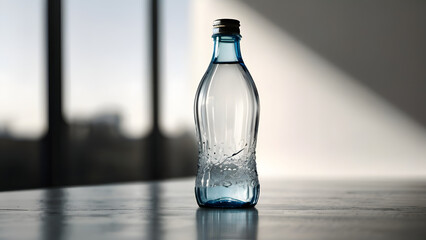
pixel 155 139
pixel 52 173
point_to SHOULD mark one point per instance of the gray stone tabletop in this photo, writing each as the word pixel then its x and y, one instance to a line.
pixel 287 209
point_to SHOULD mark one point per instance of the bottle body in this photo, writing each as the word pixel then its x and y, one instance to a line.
pixel 226 113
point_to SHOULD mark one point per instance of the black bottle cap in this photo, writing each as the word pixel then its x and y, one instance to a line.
pixel 226 26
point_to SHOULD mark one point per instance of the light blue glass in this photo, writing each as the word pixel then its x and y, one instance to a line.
pixel 226 113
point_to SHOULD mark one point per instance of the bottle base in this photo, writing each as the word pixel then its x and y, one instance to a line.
pixel 235 196
pixel 226 203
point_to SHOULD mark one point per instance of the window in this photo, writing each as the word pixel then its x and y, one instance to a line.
pixel 22 92
pixel 107 104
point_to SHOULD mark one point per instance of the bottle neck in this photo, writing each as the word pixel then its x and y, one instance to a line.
pixel 226 49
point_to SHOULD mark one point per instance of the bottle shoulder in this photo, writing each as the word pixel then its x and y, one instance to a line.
pixel 228 74
pixel 225 83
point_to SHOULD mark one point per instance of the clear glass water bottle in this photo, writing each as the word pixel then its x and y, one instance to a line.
pixel 226 113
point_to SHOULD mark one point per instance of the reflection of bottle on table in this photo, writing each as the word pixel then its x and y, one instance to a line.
pixel 227 223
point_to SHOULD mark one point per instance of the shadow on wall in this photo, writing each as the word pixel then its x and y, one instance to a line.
pixel 380 43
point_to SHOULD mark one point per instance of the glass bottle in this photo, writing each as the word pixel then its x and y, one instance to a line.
pixel 226 113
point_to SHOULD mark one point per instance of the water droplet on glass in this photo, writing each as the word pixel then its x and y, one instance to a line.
pixel 227 184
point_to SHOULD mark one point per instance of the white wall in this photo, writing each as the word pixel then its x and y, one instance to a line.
pixel 316 121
